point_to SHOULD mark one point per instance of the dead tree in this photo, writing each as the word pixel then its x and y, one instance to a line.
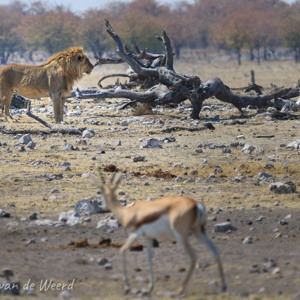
pixel 172 88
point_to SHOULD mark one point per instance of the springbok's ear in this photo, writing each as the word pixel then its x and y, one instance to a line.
pixel 118 180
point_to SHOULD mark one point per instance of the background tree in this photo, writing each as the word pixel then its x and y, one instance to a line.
pixel 290 29
pixel 138 23
pixel 10 41
pixel 51 30
pixel 232 33
pixel 92 32
pixel 180 29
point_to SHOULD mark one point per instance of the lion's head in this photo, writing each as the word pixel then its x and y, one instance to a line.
pixel 74 63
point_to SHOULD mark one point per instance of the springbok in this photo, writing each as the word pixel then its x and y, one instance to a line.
pixel 164 218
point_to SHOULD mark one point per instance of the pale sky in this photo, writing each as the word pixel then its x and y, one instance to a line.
pixel 78 6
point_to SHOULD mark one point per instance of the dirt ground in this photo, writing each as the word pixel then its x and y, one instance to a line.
pixel 34 181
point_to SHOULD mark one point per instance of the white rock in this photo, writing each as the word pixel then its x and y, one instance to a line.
pixel 150 143
pixel 248 149
pixel 88 133
pixel 282 188
pixel 25 139
pixel 293 145
pixel 223 227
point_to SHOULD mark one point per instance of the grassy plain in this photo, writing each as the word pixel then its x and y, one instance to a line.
pixel 26 186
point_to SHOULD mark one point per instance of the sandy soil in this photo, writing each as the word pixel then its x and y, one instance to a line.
pixel 267 268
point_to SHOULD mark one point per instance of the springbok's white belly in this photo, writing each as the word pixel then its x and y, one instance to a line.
pixel 159 229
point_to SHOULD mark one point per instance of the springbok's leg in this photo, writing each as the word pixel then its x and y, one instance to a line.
pixel 213 248
pixel 183 240
pixel 149 256
pixel 123 250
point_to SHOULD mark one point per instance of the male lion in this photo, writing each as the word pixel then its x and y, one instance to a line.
pixel 55 78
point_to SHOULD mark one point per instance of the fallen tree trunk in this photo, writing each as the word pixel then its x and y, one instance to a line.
pixel 173 88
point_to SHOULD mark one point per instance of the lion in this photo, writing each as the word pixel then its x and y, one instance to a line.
pixel 54 78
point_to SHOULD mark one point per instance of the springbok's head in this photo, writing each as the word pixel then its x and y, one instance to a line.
pixel 108 190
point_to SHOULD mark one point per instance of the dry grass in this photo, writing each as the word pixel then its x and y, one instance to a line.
pixel 23 184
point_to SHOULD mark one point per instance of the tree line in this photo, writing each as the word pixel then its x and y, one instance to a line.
pixel 261 26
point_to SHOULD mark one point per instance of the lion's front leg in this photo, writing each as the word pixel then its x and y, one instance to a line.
pixel 58 107
pixel 5 106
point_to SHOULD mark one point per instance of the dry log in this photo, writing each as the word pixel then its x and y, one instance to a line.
pixel 109 76
pixel 174 88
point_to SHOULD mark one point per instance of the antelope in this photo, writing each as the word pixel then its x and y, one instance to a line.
pixel 163 218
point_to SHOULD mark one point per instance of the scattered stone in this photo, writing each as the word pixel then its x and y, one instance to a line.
pixel 6 273
pixel 269 166
pixel 204 163
pixel 85 175
pixel 282 188
pixel 25 139
pixel 29 291
pixel 249 149
pixel 68 146
pixel 223 227
pixel 238 178
pixel 236 145
pixel 66 294
pixel 269 264
pixel 139 158
pixel 265 176
pixel 88 133
pixel 29 242
pixel 248 240
pixel 283 222
pixel 255 269
pixel 168 140
pixel 70 217
pixel 108 222
pixel 276 271
pixel 293 145
pixel 260 219
pixel 102 261
pixel 90 206
pixel 4 214
pixel 124 123
pixel 209 125
pixel 218 170
pixel 33 217
pixel 55 191
pixel 65 168
pixel 272 158
pixel 31 145
pixel 226 150
pixel 108 266
pixel 150 143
